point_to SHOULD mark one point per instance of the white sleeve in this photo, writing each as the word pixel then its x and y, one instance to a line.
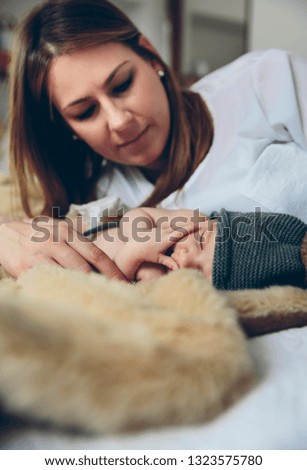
pixel 93 212
pixel 278 178
pixel 280 80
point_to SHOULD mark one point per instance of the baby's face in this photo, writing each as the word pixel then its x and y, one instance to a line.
pixel 196 250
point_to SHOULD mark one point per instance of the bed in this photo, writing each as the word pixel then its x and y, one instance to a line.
pixel 89 363
pixel 271 416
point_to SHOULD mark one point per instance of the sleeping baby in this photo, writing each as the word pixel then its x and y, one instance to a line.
pixel 233 250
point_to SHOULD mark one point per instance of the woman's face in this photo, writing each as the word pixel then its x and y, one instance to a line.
pixel 113 100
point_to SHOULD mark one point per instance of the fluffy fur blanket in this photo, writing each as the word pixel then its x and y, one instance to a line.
pixel 82 351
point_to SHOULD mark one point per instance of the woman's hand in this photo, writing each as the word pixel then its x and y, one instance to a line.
pixel 24 243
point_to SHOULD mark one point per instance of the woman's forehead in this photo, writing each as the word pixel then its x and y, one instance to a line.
pixel 105 55
pixel 71 73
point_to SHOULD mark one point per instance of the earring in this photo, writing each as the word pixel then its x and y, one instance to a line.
pixel 161 73
pixel 75 137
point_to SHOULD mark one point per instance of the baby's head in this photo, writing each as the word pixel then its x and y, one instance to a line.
pixel 194 251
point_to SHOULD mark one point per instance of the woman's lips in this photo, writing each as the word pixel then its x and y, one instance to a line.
pixel 135 139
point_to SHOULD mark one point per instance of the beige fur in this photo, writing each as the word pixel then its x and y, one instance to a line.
pixel 268 310
pixel 10 203
pixel 81 350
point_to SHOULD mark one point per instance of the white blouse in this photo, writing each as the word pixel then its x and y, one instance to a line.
pixel 258 158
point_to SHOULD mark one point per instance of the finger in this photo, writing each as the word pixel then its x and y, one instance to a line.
pixel 77 252
pixel 94 256
pixel 69 258
pixel 168 262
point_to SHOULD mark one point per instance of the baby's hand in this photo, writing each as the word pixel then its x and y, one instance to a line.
pixel 151 246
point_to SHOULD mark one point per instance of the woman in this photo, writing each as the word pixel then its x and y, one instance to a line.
pixel 96 112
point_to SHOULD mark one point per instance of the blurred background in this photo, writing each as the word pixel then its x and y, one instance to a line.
pixel 193 36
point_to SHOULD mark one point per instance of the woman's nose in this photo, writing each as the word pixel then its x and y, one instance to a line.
pixel 117 117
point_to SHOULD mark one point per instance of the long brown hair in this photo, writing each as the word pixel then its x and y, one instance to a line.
pixel 42 148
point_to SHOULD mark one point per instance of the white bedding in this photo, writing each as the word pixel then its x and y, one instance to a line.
pixel 273 415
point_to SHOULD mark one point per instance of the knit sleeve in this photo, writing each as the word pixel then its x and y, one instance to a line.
pixel 257 250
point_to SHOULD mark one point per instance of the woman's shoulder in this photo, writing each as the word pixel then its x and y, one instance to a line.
pixel 273 63
pixel 251 64
pixel 279 81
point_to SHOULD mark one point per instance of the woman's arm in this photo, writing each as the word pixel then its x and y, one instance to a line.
pixel 6 218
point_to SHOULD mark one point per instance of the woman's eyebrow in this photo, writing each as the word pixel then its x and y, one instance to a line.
pixel 105 84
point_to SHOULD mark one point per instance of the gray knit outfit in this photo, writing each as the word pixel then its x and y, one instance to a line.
pixel 255 250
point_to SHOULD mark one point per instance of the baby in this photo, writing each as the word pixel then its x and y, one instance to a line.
pixel 233 250
pixel 150 242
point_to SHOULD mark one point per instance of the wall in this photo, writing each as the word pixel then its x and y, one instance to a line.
pixel 224 9
pixel 18 9
pixel 279 23
pixel 212 29
pixel 151 19
pixel 213 33
pixel 148 15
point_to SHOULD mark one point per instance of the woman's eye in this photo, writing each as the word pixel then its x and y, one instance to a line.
pixel 86 114
pixel 123 86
